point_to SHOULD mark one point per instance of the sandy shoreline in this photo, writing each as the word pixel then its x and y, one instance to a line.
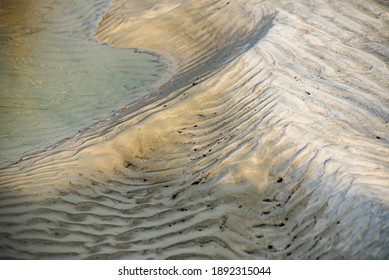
pixel 269 140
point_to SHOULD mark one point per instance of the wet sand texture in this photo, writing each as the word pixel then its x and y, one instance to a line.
pixel 269 140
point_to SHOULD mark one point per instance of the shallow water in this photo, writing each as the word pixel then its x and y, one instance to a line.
pixel 56 79
pixel 270 140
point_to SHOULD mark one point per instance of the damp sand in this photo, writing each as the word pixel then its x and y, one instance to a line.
pixel 269 141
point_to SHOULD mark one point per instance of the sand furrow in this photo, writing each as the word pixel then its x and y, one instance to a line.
pixel 269 140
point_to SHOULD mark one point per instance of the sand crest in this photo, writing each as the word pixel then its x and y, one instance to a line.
pixel 269 139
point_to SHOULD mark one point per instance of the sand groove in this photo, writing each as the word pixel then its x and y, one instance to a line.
pixel 270 140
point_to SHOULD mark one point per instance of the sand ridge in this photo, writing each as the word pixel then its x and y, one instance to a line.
pixel 269 139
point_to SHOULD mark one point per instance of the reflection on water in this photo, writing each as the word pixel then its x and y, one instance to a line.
pixel 54 78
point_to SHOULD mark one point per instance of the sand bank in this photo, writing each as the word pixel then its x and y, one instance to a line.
pixel 269 140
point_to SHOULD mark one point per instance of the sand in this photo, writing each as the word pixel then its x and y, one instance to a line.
pixel 268 139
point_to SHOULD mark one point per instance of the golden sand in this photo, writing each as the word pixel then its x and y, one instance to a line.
pixel 268 139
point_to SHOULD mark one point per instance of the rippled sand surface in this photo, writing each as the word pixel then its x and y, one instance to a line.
pixel 270 140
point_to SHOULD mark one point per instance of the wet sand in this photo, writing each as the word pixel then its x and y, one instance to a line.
pixel 269 140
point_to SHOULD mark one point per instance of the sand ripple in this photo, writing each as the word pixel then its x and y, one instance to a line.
pixel 270 140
